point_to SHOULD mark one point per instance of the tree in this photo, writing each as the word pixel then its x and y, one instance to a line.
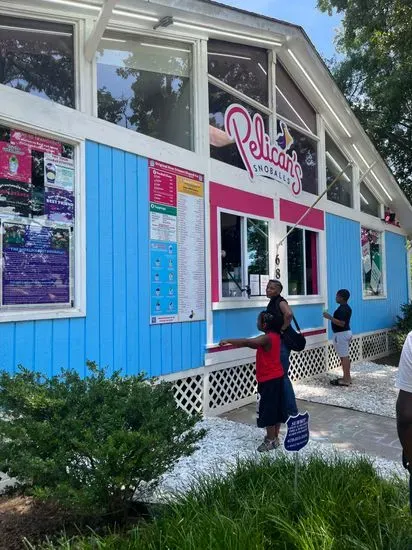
pixel 376 75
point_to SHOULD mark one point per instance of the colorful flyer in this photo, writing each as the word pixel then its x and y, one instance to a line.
pixel 164 286
pixel 58 172
pixel 15 162
pixel 15 198
pixel 59 205
pixel 37 143
pixel 36 265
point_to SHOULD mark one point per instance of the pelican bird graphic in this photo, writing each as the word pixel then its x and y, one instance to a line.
pixel 284 139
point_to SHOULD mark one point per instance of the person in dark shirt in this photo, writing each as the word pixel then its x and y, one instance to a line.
pixel 342 335
pixel 282 314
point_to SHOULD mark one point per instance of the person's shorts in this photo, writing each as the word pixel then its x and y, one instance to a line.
pixel 341 342
pixel 271 405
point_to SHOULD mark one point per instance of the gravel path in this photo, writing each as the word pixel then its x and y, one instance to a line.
pixel 373 389
pixel 227 441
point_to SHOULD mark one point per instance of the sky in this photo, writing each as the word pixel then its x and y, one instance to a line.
pixel 320 27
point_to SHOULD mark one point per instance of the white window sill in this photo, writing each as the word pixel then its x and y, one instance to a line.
pixel 380 297
pixel 240 303
pixel 27 315
pixel 305 300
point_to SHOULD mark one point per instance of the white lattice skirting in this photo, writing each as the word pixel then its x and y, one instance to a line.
pixel 226 386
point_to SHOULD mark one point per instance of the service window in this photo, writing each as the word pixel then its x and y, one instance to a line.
pixel 37 219
pixel 38 57
pixel 302 261
pixel 244 255
pixel 144 84
pixel 372 263
pixel 342 190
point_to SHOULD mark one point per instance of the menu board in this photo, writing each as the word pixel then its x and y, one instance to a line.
pixel 36 265
pixel 177 246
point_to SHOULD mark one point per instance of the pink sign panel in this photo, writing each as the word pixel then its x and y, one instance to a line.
pixel 163 187
pixel 37 143
pixel 15 162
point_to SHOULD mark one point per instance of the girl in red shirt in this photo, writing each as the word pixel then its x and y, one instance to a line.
pixel 271 410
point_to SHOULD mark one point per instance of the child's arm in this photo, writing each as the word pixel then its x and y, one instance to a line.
pixel 262 341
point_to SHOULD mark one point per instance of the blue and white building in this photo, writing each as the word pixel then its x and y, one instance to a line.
pixel 154 158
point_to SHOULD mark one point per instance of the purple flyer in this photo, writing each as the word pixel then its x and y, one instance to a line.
pixel 59 205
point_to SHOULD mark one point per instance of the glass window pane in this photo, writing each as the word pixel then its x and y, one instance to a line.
pixel 258 247
pixel 307 154
pixel 37 57
pixel 144 84
pixel 368 202
pixel 295 262
pixel 311 254
pixel 291 103
pixel 341 191
pixel 372 262
pixel 244 68
pixel 231 254
pixel 221 148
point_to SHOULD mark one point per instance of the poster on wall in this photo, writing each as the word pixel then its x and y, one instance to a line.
pixel 177 263
pixel 36 265
pixel 15 162
pixel 376 273
pixel 36 143
pixel 15 197
pixel 59 205
pixel 58 172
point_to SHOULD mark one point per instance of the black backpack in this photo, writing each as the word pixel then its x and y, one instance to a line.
pixel 293 339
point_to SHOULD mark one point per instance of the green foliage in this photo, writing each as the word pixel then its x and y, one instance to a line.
pixel 376 75
pixel 340 505
pixel 403 325
pixel 90 443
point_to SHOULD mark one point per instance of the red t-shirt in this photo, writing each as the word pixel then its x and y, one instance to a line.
pixel 268 365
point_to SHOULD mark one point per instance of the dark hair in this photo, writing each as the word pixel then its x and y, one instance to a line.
pixel 276 282
pixel 272 323
pixel 343 293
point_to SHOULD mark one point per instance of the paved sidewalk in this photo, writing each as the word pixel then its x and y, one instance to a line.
pixel 346 429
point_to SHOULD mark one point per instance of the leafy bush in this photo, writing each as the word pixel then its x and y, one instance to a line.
pixel 340 505
pixel 90 443
pixel 403 326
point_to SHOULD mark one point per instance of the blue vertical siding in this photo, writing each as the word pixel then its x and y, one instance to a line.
pixel 116 331
pixel 238 323
pixel 344 271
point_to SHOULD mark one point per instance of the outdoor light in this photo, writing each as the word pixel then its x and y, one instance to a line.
pixel 337 165
pixel 363 198
pixel 164 22
pixel 262 69
pixel 37 31
pixel 222 32
pixel 75 4
pixel 360 154
pixel 170 48
pixel 299 64
pixel 383 188
pixel 229 55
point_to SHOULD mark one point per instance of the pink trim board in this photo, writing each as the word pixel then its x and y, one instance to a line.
pixel 291 212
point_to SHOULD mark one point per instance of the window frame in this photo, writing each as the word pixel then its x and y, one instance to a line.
pixel 78 24
pixel 309 298
pixel 355 192
pixel 380 204
pixel 245 279
pixel 382 233
pixel 34 312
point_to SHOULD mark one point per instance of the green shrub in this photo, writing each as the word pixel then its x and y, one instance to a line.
pixel 340 505
pixel 90 443
pixel 403 326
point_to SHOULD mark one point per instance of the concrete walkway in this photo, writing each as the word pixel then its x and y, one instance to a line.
pixel 346 429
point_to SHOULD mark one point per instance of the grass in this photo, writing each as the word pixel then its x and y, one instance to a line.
pixel 340 505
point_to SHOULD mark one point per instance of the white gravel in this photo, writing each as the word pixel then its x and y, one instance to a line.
pixel 373 389
pixel 226 442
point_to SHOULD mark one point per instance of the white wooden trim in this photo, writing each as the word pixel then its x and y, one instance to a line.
pixel 95 36
pixel 239 95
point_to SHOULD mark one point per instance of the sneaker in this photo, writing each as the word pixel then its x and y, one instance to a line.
pixel 268 445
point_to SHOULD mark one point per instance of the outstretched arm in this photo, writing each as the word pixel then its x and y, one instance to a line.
pixel 253 343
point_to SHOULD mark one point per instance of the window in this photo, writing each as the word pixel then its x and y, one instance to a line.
pixel 368 203
pixel 372 262
pixel 292 104
pixel 307 153
pixel 37 218
pixel 37 57
pixel 342 191
pixel 244 255
pixel 302 252
pixel 235 69
pixel 144 84
pixel 294 111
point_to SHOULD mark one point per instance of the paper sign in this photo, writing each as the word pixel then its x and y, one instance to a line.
pixel 58 172
pixel 366 257
pixel 264 279
pixel 59 205
pixel 375 275
pixel 37 143
pixel 254 283
pixel 15 162
pixel 297 435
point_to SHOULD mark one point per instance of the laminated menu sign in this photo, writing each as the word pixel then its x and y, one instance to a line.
pixel 15 162
pixel 177 263
pixel 37 143
pixel 36 265
pixel 58 172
